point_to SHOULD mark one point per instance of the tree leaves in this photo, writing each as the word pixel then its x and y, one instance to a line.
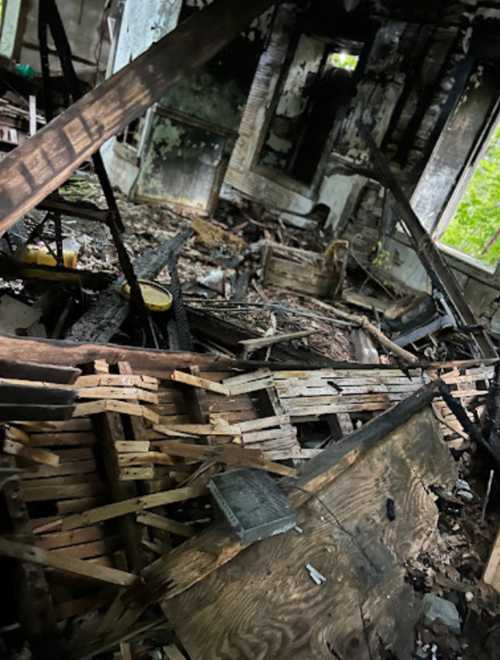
pixel 477 219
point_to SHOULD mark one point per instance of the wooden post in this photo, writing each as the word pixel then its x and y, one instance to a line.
pixel 441 276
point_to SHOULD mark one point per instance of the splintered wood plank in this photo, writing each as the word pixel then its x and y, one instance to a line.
pixel 59 560
pixel 75 454
pixel 247 377
pixel 187 430
pixel 135 473
pixel 82 439
pixel 68 425
pixel 94 549
pixel 132 446
pixel 117 380
pixel 78 505
pixel 111 511
pixel 263 423
pixel 143 458
pixel 54 540
pixel 65 492
pixel 202 383
pixel 64 469
pixel 253 386
pixel 67 480
pixel 110 405
pixel 269 434
pixel 41 456
pixel 120 393
pixel 492 573
pixel 166 524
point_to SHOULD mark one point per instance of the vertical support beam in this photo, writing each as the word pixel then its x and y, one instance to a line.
pixel 34 602
pixel 441 276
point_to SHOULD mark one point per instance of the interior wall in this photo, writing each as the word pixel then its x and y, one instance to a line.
pixel 413 80
pixel 86 29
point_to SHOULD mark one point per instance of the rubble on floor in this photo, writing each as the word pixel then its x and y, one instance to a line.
pixel 230 435
pixel 123 488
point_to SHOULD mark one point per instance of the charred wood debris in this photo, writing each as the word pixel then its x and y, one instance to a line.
pixel 178 389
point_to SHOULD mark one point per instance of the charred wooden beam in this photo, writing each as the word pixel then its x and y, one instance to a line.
pixel 110 310
pixel 83 210
pixel 43 163
pixel 65 353
pixel 441 276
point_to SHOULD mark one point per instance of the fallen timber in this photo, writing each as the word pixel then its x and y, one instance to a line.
pixel 71 354
pixel 43 163
pixel 440 275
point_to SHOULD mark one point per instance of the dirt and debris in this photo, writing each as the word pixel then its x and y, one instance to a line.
pixel 261 421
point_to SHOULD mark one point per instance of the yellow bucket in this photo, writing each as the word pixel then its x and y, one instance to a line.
pixel 156 297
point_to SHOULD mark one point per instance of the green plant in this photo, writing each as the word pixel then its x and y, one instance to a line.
pixel 475 227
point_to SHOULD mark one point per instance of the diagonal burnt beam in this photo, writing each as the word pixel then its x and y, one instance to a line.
pixel 44 162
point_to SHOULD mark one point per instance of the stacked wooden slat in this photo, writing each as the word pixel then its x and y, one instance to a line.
pixel 309 395
pixel 53 493
pixel 125 394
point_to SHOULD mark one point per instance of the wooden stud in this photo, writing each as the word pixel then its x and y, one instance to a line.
pixel 60 561
pixel 202 383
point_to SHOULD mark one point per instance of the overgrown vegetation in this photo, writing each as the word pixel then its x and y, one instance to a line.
pixel 475 228
pixel 344 61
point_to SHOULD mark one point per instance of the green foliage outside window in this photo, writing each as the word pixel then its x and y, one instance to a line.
pixel 344 61
pixel 475 228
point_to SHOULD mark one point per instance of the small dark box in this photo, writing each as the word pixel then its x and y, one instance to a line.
pixel 253 503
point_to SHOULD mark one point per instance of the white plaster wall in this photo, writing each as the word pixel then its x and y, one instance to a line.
pixel 335 192
pixel 143 23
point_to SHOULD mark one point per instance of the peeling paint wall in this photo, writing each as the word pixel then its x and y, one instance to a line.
pixel 141 24
pixel 181 164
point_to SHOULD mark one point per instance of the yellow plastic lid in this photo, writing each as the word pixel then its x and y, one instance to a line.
pixel 156 297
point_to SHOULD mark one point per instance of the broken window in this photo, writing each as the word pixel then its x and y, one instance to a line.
pixel 315 87
pixel 474 227
pixel 344 60
pixel 132 134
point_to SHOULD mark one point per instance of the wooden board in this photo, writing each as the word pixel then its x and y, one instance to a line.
pixel 263 603
pixel 62 562
pixel 492 572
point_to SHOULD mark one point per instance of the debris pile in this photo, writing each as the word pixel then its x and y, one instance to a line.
pixel 230 435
